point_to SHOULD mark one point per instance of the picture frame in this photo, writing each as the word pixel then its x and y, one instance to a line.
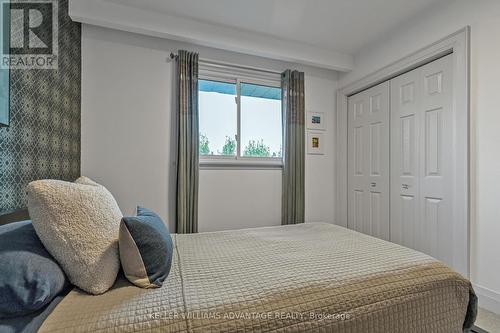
pixel 315 143
pixel 316 121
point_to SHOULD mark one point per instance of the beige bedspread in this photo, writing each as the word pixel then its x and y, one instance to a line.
pixel 300 278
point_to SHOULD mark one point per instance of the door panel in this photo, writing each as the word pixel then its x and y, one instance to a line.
pixel 407 218
pixel 433 137
pixel 404 159
pixel 358 151
pixel 357 221
pixel 436 169
pixel 408 146
pixel 421 137
pixel 368 161
pixel 375 149
pixel 431 221
pixel 375 218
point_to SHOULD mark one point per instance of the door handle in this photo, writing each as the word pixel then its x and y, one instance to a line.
pixel 373 184
pixel 405 186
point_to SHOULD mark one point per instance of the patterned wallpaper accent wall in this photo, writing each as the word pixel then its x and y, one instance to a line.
pixel 43 140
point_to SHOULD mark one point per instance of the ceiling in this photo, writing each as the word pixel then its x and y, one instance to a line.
pixel 321 33
pixel 340 25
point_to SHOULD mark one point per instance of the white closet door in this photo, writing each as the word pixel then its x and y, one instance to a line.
pixel 405 134
pixel 421 155
pixel 368 161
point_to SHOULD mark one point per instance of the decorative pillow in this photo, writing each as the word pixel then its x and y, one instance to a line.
pixel 145 249
pixel 78 223
pixel 30 278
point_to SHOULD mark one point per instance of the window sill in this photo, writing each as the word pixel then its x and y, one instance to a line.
pixel 218 163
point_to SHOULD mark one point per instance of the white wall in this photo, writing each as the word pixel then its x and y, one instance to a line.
pixel 232 199
pixel 128 136
pixel 483 16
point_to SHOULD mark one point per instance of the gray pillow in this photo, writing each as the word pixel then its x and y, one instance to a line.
pixel 146 249
pixel 30 277
pixel 78 223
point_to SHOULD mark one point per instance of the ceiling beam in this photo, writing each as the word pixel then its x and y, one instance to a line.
pixel 121 17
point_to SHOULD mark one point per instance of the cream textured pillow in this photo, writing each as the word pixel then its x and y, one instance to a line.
pixel 79 224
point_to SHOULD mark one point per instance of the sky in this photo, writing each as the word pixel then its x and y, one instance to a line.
pixel 260 120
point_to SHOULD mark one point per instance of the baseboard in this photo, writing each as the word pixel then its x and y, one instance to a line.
pixel 476 329
pixel 488 299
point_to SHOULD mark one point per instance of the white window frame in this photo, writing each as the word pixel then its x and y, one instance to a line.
pixel 214 71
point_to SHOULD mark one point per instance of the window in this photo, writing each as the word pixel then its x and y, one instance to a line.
pixel 261 133
pixel 218 118
pixel 240 120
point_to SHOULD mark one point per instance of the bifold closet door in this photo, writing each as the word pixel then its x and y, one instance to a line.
pixel 368 161
pixel 421 155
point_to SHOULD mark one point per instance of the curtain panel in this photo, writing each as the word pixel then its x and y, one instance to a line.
pixel 188 142
pixel 293 183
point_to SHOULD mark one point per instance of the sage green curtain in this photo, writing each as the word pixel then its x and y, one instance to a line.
pixel 293 105
pixel 188 142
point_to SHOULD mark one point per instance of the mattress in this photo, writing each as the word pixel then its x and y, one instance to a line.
pixel 298 278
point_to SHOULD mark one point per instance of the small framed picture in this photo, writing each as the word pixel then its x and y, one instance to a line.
pixel 315 143
pixel 316 121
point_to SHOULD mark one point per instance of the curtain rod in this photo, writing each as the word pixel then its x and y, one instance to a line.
pixel 220 63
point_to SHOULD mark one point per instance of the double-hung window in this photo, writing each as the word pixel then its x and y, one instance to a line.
pixel 239 116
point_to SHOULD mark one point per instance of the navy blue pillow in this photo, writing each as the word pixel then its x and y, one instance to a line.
pixel 29 277
pixel 145 249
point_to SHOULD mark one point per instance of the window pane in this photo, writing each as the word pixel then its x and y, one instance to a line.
pixel 218 118
pixel 261 132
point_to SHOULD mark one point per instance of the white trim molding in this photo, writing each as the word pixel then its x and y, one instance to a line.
pixel 488 299
pixel 222 162
pixel 114 15
pixel 456 44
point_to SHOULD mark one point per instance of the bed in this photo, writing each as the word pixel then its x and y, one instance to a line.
pixel 299 278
